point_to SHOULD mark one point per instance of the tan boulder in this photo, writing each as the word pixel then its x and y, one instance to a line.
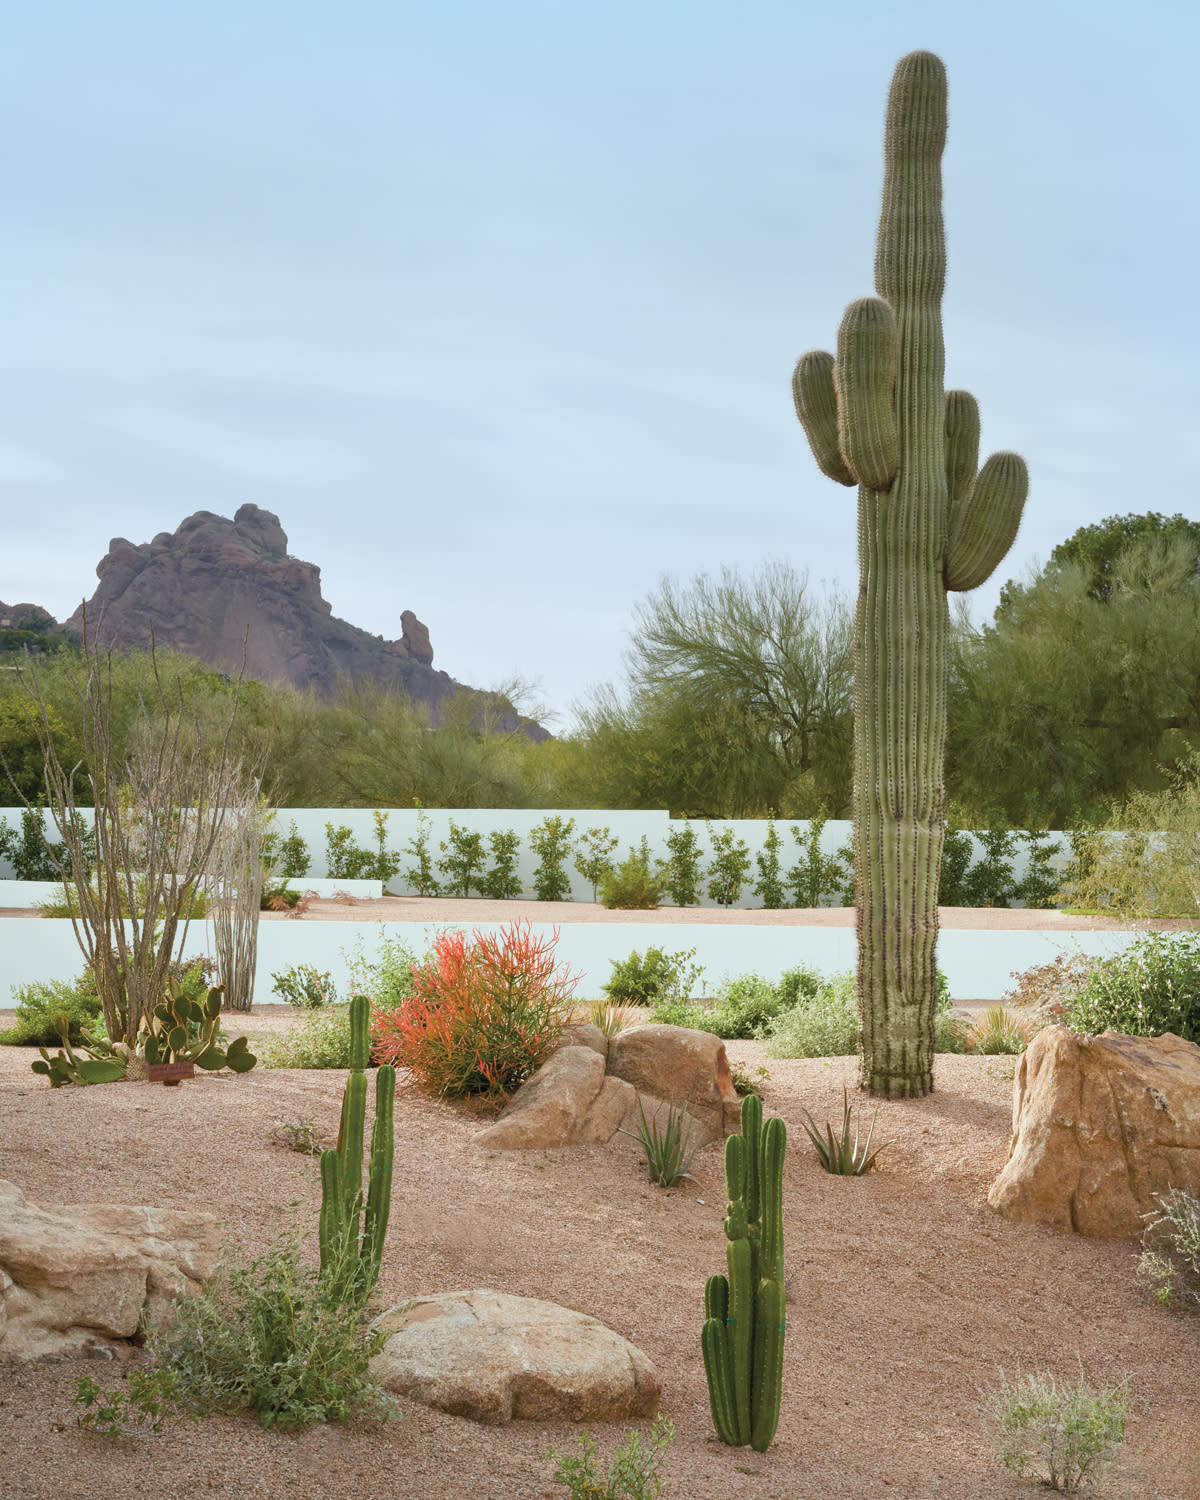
pixel 1100 1126
pixel 584 1034
pixel 680 1066
pixel 549 1108
pixel 495 1358
pixel 73 1276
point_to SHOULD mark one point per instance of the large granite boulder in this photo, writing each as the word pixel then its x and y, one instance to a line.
pixel 1100 1126
pixel 591 1088
pixel 71 1277
pixel 493 1357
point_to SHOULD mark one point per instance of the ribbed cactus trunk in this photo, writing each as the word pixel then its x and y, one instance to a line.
pixel 878 417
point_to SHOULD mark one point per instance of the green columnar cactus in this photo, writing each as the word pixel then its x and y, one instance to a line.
pixel 744 1320
pixel 877 416
pixel 352 1232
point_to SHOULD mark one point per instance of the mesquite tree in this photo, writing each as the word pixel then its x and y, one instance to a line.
pixel 928 523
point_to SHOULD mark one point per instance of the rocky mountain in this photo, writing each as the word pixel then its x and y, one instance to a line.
pixel 215 587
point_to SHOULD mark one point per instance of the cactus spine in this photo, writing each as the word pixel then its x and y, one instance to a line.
pixel 744 1320
pixel 352 1230
pixel 877 416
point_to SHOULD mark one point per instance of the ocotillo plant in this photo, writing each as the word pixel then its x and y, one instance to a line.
pixel 352 1231
pixel 742 1338
pixel 878 417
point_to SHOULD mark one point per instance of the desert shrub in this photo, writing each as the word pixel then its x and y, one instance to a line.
pixel 815 875
pixel 634 1474
pixel 593 856
pixel 294 859
pixel 769 885
pixel 1169 1266
pixel 1046 989
pixel 551 842
pixel 345 860
pixel 41 1003
pixel 744 1008
pixel 683 870
pixel 1072 1431
pixel 502 883
pixel 957 853
pixel 634 885
pixel 822 1025
pixel 657 977
pixel 1041 884
pixel 1151 987
pixel 388 977
pixel 419 874
pixel 320 1040
pixel 730 865
pixel 484 1013
pixel 270 1338
pixel 463 859
pixel 304 986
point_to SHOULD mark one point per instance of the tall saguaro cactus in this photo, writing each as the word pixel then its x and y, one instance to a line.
pixel 352 1230
pixel 744 1319
pixel 877 416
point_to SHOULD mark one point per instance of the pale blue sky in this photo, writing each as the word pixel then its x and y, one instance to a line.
pixel 496 305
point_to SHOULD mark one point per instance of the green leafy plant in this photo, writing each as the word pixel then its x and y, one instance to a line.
pixel 353 1225
pixel 635 1472
pixel 42 1004
pixel 654 978
pixel 667 1144
pixel 842 1155
pixel 485 1012
pixel 501 883
pixel 321 1040
pixel 1150 987
pixel 816 877
pixel 635 885
pixel 387 978
pixel 147 1400
pixel 1041 884
pixel 744 1317
pixel 822 1025
pixel 462 861
pixel 743 1083
pixel 297 1135
pixel 1073 1432
pixel 294 861
pixel 419 874
pixel 35 856
pixel 1169 1266
pixel 769 886
pixel 958 850
pixel 593 856
pixel 345 860
pixel 551 842
pixel 730 865
pixel 683 871
pixel 304 986
pixel 990 880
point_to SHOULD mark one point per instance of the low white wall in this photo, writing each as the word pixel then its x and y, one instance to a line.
pixel 978 965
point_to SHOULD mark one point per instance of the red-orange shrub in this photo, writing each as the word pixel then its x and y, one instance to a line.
pixel 484 1013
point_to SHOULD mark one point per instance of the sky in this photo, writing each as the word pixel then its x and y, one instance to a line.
pixel 496 306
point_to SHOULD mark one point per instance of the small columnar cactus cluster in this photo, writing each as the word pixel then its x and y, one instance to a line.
pixel 352 1229
pixel 744 1317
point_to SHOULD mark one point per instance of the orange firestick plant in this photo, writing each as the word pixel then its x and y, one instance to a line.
pixel 485 1012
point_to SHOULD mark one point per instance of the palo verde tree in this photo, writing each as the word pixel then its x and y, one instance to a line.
pixel 878 417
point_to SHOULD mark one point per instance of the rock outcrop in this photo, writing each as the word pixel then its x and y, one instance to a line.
pixel 592 1087
pixel 215 585
pixel 1100 1126
pixel 73 1277
pixel 493 1357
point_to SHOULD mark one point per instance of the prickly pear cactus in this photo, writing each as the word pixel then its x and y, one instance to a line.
pixel 928 523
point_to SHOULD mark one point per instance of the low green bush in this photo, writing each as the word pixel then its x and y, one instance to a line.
pixel 304 986
pixel 1151 987
pixel 388 977
pixel 655 978
pixel 270 1338
pixel 634 1474
pixel 1170 1262
pixel 320 1040
pixel 634 885
pixel 825 1023
pixel 1072 1432
pixel 41 1003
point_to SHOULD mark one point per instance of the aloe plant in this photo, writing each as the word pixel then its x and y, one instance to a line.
pixel 841 1155
pixel 929 523
pixel 668 1145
